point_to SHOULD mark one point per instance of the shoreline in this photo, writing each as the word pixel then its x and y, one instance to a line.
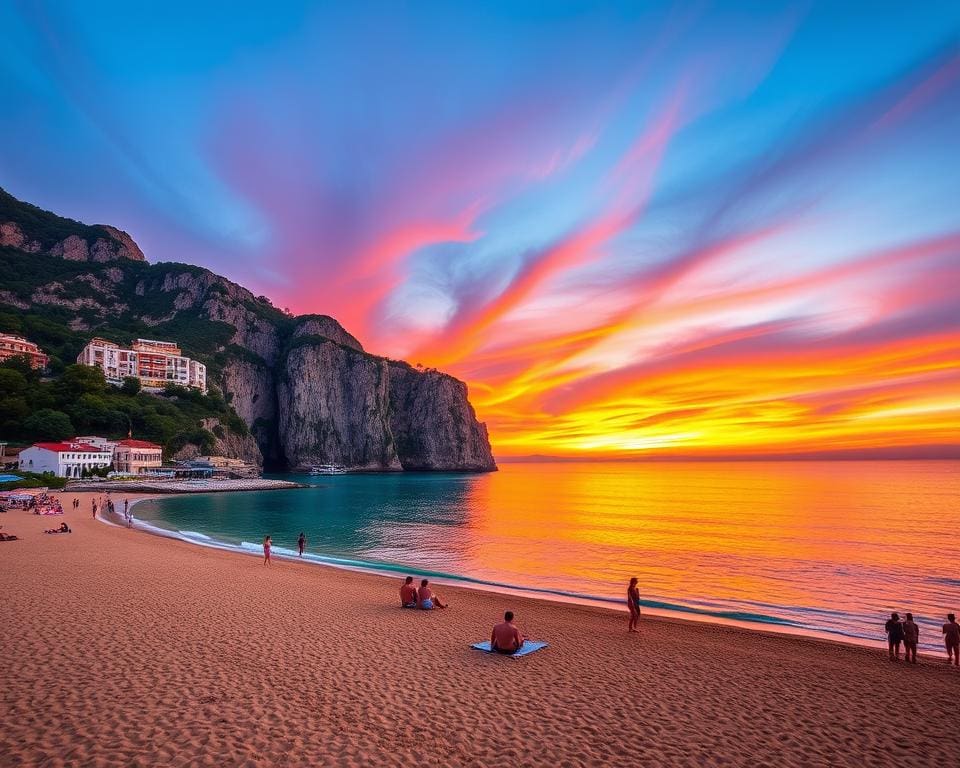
pixel 556 597
pixel 140 650
pixel 175 487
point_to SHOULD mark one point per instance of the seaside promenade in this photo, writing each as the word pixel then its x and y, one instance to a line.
pixel 125 649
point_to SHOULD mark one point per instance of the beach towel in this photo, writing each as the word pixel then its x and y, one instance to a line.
pixel 528 647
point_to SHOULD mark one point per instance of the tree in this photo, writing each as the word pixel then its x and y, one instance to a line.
pixel 49 424
pixel 21 364
pixel 12 382
pixel 131 386
pixel 80 380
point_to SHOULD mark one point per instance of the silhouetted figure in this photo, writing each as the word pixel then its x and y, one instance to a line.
pixel 911 636
pixel 951 639
pixel 633 603
pixel 301 542
pixel 894 636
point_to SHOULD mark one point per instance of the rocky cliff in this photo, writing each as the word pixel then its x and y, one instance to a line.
pixel 334 407
pixel 225 443
pixel 433 424
pixel 306 388
pixel 33 230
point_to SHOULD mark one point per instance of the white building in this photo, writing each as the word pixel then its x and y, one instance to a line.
pixel 67 459
pixel 155 363
pixel 97 442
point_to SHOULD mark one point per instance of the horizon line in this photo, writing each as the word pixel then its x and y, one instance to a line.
pixel 912 453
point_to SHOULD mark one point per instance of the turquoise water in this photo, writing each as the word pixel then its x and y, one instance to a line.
pixel 812 547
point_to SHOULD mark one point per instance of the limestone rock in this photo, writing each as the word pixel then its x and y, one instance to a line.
pixel 333 404
pixel 433 423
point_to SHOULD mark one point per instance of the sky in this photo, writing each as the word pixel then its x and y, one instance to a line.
pixel 638 229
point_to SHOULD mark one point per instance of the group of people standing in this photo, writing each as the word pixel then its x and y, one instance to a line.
pixel 907 633
pixel 96 505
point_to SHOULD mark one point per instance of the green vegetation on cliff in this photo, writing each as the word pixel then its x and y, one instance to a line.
pixel 61 305
pixel 80 402
pixel 45 227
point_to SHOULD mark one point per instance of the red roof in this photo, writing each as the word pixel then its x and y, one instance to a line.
pixel 129 443
pixel 63 447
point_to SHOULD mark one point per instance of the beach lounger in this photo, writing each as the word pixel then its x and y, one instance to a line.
pixel 528 647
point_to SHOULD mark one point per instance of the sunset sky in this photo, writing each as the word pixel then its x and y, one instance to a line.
pixel 637 229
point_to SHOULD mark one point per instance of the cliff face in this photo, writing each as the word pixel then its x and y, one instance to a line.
pixel 250 388
pixel 305 387
pixel 433 423
pixel 333 408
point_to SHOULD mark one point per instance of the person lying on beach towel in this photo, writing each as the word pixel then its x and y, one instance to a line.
pixel 506 638
pixel 408 593
pixel 427 598
pixel 7 536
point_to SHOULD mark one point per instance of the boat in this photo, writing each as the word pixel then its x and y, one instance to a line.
pixel 328 469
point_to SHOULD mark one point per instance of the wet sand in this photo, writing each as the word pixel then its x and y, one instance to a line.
pixel 124 649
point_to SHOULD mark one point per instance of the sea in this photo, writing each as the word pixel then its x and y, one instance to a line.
pixel 823 548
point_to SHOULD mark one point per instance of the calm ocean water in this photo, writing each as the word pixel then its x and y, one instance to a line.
pixel 814 547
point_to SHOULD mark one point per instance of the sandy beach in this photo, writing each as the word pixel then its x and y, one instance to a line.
pixel 124 649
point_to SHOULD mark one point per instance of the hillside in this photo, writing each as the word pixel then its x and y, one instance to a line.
pixel 303 386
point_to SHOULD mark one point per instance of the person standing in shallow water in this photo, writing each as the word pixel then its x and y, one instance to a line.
pixel 633 603
pixel 301 542
pixel 894 631
pixel 266 550
pixel 911 636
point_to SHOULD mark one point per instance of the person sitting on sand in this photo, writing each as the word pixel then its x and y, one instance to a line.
pixel 911 636
pixel 266 550
pixel 894 631
pixel 427 598
pixel 633 603
pixel 64 528
pixel 301 542
pixel 408 593
pixel 506 638
pixel 951 639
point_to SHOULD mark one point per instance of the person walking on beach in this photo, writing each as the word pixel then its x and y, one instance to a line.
pixel 427 599
pixel 408 593
pixel 94 504
pixel 894 629
pixel 911 636
pixel 633 603
pixel 951 639
pixel 301 542
pixel 266 550
pixel 506 638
